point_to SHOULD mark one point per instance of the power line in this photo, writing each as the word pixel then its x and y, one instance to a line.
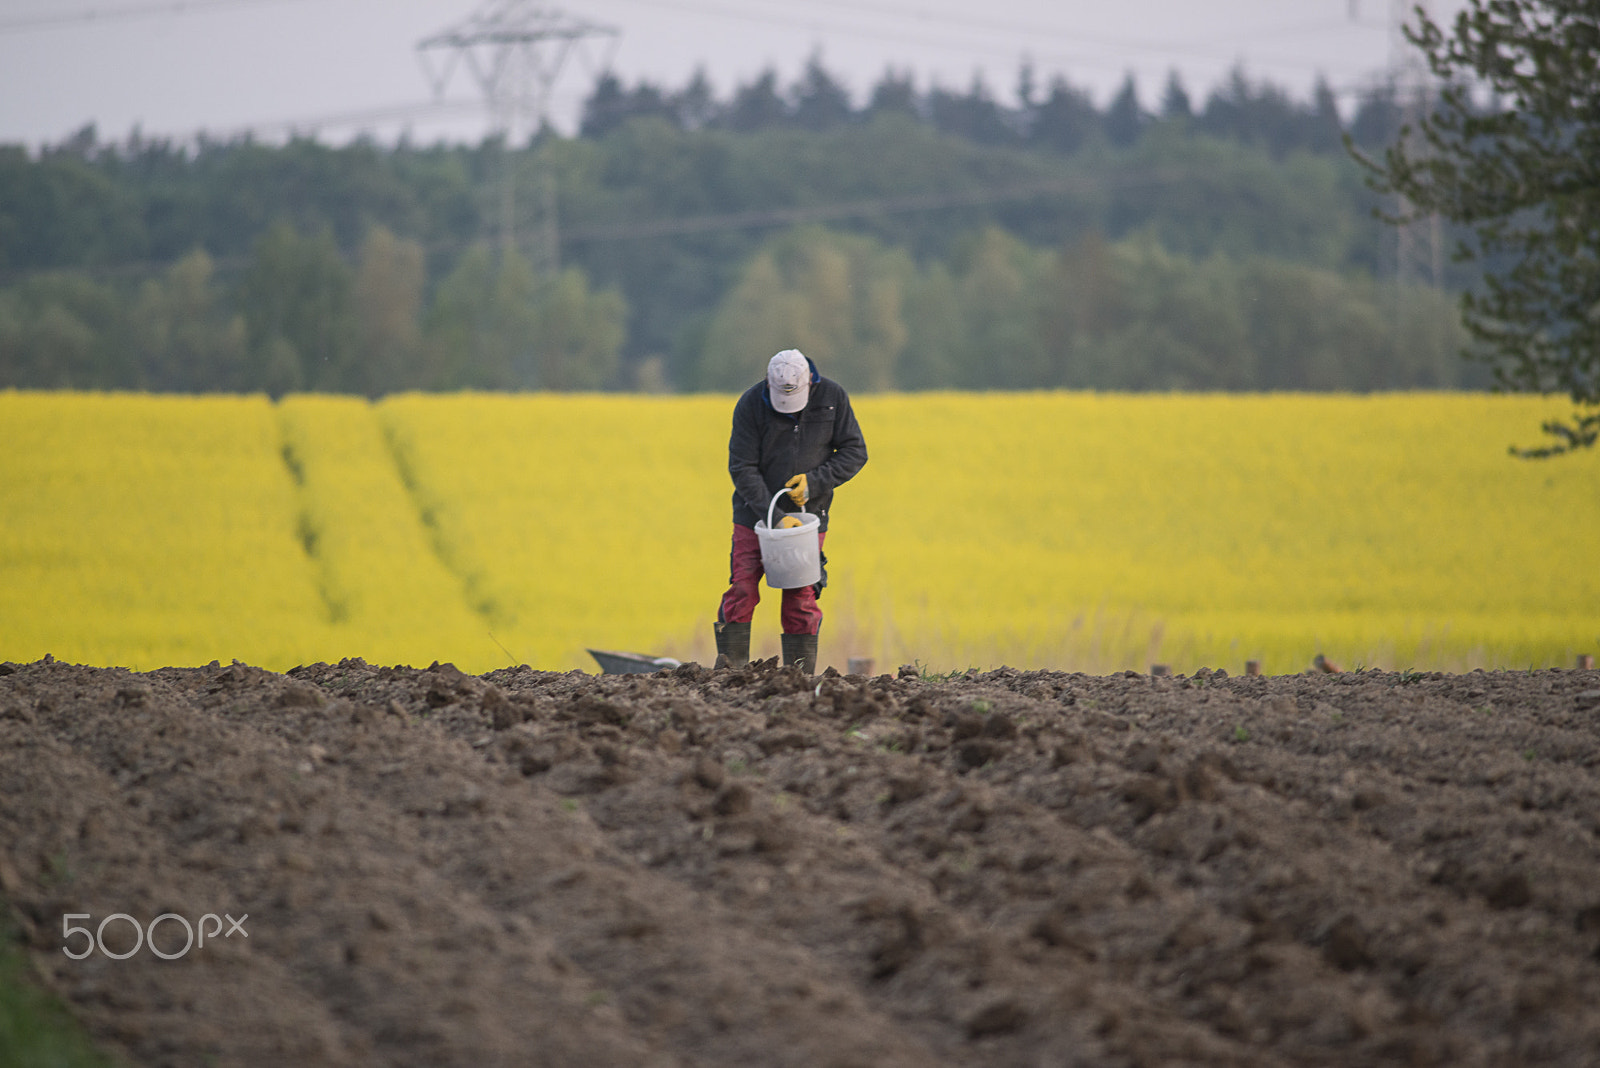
pixel 1419 239
pixel 966 45
pixel 914 202
pixel 757 219
pixel 1359 87
pixel 515 50
pixel 353 119
pixel 1029 35
pixel 92 15
pixel 1031 30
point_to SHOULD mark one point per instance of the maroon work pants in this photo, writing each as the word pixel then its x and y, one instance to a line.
pixel 800 613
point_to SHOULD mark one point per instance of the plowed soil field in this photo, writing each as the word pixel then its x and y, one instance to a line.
pixel 750 867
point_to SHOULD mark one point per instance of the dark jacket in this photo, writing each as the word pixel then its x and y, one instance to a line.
pixel 767 448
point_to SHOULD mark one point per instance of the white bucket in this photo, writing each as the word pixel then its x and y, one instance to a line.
pixel 791 556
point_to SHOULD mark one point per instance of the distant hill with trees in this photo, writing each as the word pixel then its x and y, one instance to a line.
pixel 925 239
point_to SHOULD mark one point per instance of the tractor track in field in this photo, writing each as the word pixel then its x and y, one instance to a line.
pixel 747 866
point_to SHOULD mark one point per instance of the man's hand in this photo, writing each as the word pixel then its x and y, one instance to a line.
pixel 797 490
pixel 788 520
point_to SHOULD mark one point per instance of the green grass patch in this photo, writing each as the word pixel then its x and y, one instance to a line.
pixel 36 1031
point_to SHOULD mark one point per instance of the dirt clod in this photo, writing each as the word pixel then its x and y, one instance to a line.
pixel 709 772
pixel 997 1018
pixel 1509 891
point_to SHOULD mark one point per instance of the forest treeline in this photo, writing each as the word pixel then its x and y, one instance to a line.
pixel 922 240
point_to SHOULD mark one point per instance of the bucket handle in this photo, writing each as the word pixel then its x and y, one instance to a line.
pixel 774 504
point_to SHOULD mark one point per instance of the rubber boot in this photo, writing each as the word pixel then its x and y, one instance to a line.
pixel 733 642
pixel 801 651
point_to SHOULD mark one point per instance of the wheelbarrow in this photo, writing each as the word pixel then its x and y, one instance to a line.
pixel 618 663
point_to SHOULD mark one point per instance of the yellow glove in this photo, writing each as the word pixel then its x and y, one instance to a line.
pixel 797 490
pixel 788 520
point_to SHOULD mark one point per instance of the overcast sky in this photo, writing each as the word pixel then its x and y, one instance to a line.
pixel 339 68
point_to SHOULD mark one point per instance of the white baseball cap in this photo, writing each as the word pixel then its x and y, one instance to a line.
pixel 789 381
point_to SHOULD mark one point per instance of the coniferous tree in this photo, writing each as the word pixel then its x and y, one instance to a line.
pixel 894 94
pixel 610 105
pixel 1124 120
pixel 696 104
pixel 603 109
pixel 1175 104
pixel 1065 119
pixel 1027 91
pixel 648 100
pixel 1326 129
pixel 820 101
pixel 757 106
pixel 974 115
pixel 1377 119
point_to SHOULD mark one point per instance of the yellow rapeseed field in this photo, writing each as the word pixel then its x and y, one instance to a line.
pixel 576 521
pixel 1119 531
pixel 387 594
pixel 143 531
pixel 1073 530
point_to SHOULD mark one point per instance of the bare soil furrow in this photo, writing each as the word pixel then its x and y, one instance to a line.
pixel 356 948
pixel 750 866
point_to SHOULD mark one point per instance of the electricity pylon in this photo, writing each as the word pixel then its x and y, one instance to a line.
pixel 1419 241
pixel 514 50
